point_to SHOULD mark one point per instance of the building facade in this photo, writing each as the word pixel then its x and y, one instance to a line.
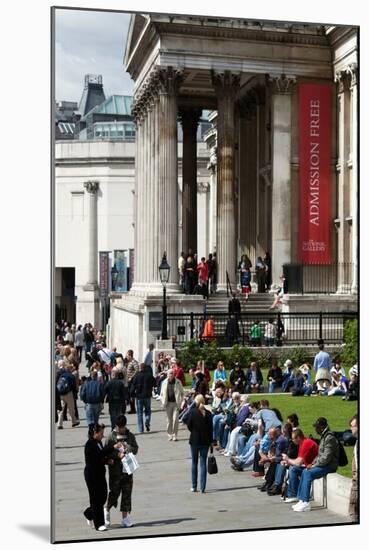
pixel 283 152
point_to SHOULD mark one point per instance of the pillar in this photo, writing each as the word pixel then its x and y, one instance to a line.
pixel 190 120
pixel 92 188
pixel 212 167
pixel 169 82
pixel 281 172
pixel 353 73
pixel 343 187
pixel 226 87
pixel 88 301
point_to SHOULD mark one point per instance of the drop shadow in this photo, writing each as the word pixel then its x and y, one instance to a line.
pixel 155 523
pixel 40 531
pixel 238 488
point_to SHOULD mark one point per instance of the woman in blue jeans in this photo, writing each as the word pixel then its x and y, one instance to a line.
pixel 201 427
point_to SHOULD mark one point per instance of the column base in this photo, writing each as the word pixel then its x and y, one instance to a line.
pixel 91 287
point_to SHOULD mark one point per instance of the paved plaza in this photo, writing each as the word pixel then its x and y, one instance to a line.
pixel 162 501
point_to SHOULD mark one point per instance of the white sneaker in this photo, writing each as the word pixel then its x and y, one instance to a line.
pixel 302 507
pixel 90 523
pixel 291 499
pixel 170 437
pixel 126 522
pixel 102 528
pixel 107 516
pixel 174 438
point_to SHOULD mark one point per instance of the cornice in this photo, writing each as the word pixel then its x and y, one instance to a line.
pixel 242 33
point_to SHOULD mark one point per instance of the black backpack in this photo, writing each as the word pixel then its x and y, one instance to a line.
pixel 342 456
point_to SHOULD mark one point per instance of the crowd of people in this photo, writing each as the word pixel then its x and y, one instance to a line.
pixel 197 277
pixel 200 277
pixel 219 415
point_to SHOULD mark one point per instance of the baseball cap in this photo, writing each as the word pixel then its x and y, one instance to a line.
pixel 288 363
pixel 320 422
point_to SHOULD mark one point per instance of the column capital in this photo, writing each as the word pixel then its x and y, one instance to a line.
pixel 226 84
pixel 189 118
pixel 281 83
pixel 91 186
pixel 342 79
pixel 203 187
pixel 169 80
pixel 352 71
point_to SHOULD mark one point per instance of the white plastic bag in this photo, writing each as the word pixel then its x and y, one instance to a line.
pixel 129 463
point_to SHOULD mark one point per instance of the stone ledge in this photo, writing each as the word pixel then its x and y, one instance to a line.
pixel 338 493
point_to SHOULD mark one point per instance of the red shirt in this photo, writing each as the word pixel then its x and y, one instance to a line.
pixel 308 450
pixel 203 270
pixel 178 373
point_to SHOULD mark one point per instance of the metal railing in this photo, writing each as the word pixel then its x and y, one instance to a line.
pixel 290 328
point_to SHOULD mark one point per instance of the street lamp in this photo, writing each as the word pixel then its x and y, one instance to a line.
pixel 164 270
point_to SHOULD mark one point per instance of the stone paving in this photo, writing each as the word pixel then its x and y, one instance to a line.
pixel 162 501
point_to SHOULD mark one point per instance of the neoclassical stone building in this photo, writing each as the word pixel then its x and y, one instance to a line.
pixel 283 153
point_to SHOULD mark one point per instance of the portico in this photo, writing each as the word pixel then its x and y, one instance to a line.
pixel 250 74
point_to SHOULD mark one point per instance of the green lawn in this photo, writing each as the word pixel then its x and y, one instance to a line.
pixel 308 409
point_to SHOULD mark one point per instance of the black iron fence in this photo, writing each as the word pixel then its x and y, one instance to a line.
pixel 289 328
pixel 319 278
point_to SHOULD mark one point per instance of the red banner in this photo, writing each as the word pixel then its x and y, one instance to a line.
pixel 315 115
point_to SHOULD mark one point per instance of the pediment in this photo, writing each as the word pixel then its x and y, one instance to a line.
pixel 136 25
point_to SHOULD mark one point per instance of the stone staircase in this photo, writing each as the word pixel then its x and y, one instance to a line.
pixel 255 303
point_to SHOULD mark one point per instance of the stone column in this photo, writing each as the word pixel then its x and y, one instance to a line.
pixel 190 120
pixel 281 172
pixel 353 73
pixel 169 82
pixel 212 167
pixel 343 109
pixel 92 188
pixel 203 220
pixel 226 87
pixel 88 303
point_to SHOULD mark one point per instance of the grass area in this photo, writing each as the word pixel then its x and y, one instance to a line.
pixel 337 412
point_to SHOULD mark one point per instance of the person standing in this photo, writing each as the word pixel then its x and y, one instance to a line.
pixel 120 442
pixel 190 274
pixel 234 306
pixel 354 503
pixel 260 268
pixel 149 357
pixel 211 272
pixel 181 267
pixel 171 397
pixel 79 342
pixel 143 384
pixel 201 428
pixel 322 368
pixel 92 394
pixel 115 396
pixel 132 370
pixel 66 389
pixel 268 264
pixel 203 272
pixel 94 473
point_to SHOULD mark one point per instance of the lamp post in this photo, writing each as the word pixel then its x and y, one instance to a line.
pixel 114 275
pixel 164 269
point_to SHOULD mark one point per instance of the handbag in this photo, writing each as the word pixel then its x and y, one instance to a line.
pixel 129 463
pixel 212 463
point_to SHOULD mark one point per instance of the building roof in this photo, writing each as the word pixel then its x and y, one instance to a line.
pixel 113 105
